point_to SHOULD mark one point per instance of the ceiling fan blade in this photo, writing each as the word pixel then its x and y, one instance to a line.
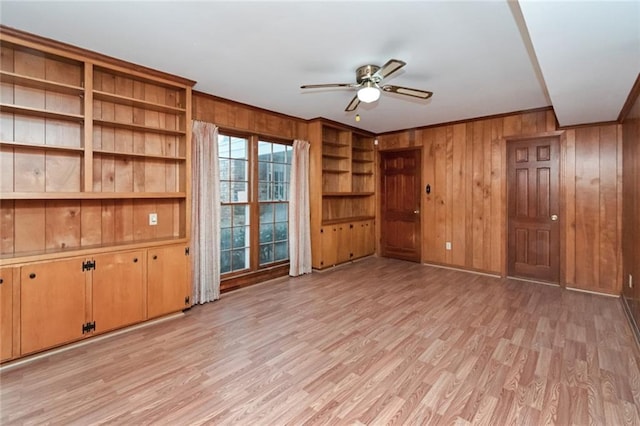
pixel 389 68
pixel 322 86
pixel 353 104
pixel 416 93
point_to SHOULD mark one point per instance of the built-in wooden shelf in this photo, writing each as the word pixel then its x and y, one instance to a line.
pixel 347 194
pixel 333 143
pixel 357 148
pixel 36 112
pixel 335 156
pixel 347 220
pixel 41 147
pixel 135 154
pixel 334 171
pixel 361 160
pixel 55 253
pixel 88 195
pixel 138 127
pixel 363 173
pixel 39 83
pixel 137 103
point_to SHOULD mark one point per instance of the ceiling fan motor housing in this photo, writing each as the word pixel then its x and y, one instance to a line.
pixel 365 73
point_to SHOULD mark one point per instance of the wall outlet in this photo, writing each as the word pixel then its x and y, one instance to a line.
pixel 447 245
pixel 153 219
pixel 630 281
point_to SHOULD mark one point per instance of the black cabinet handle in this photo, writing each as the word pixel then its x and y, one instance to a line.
pixel 155 257
pixel 135 260
pixel 32 275
pixel 1 280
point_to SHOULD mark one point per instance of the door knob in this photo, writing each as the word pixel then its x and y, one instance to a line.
pixel 416 211
pixel 554 217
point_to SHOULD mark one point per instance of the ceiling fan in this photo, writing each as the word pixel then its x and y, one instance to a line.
pixel 368 79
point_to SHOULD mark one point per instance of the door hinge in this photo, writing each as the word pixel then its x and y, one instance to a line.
pixel 88 327
pixel 187 300
pixel 88 265
pixel 186 251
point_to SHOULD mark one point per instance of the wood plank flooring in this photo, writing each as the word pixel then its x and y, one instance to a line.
pixel 381 341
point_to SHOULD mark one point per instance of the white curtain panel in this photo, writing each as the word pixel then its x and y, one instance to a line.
pixel 205 212
pixel 299 217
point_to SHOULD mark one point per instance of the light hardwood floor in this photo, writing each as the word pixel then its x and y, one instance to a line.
pixel 377 342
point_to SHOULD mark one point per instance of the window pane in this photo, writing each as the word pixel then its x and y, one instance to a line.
pixel 225 166
pixel 238 148
pixel 266 213
pixel 282 231
pixel 239 170
pixel 225 216
pixel 264 171
pixel 225 261
pixel 266 233
pixel 224 192
pixel 264 191
pixel 281 251
pixel 240 215
pixel 264 151
pixel 239 192
pixel 266 253
pixel 239 259
pixel 239 237
pixel 223 146
pixel 282 211
pixel 225 238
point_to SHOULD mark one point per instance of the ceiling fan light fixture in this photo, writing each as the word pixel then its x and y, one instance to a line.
pixel 368 93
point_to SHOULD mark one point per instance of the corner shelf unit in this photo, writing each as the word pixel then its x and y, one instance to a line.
pixel 342 192
pixel 89 147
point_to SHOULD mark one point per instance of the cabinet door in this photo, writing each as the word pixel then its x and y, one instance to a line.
pixel 52 304
pixel 167 280
pixel 329 238
pixel 6 313
pixel 117 290
pixel 344 242
pixel 362 241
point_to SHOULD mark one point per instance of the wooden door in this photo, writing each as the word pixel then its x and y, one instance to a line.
pixel 117 290
pixel 52 304
pixel 533 203
pixel 362 239
pixel 344 242
pixel 329 244
pixel 400 204
pixel 6 313
pixel 167 280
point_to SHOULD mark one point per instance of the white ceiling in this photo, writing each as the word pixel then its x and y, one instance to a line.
pixel 478 57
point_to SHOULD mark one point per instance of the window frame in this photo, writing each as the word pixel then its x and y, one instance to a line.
pixel 253 202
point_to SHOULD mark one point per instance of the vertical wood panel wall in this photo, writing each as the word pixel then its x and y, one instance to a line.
pixel 235 116
pixel 465 164
pixel 631 206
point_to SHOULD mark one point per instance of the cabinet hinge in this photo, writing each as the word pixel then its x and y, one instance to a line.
pixel 88 327
pixel 187 300
pixel 186 251
pixel 88 265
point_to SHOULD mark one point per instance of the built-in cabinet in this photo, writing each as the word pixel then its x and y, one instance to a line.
pixel 342 194
pixel 94 167
pixel 6 313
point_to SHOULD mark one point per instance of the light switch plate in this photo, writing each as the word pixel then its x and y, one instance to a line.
pixel 447 245
pixel 153 219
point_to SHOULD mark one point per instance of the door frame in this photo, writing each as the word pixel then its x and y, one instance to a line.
pixel 560 136
pixel 378 195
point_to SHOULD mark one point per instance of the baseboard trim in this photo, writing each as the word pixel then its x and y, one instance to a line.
pixel 41 355
pixel 632 321
pixel 597 293
pixel 529 280
pixel 470 271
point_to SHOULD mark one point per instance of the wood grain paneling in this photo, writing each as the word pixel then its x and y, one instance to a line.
pixel 631 209
pixel 465 164
pixel 245 118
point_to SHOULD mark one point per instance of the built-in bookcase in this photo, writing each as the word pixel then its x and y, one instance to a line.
pixel 88 150
pixel 343 193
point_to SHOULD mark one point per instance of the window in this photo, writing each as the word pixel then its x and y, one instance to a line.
pixel 254 193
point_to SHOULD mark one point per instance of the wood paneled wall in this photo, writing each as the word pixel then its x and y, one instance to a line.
pixel 631 206
pixel 231 115
pixel 465 164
